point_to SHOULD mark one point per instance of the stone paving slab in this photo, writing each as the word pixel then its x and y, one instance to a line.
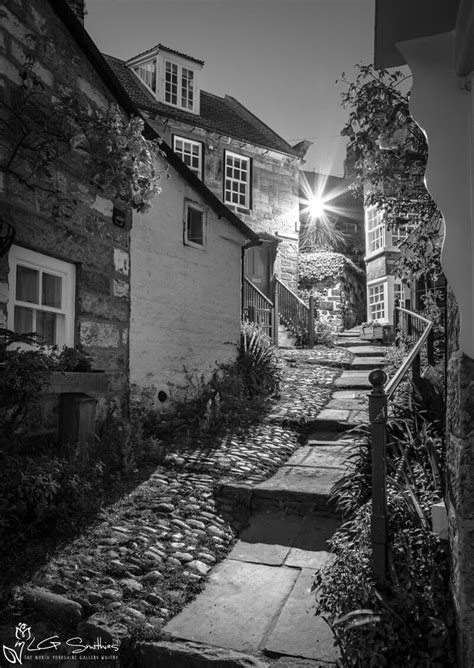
pixel 367 362
pixel 353 380
pixel 301 482
pixel 298 558
pixel 268 538
pixel 328 456
pixel 237 607
pixel 298 631
pixel 367 351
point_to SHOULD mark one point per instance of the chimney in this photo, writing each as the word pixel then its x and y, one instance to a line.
pixel 79 8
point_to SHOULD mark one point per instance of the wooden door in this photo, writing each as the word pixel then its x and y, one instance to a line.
pixel 258 267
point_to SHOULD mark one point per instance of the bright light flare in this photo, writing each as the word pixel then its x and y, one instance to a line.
pixel 316 207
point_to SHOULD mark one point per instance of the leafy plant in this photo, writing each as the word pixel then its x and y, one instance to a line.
pixel 410 621
pixel 388 154
pixel 43 128
pixel 73 359
pixel 258 361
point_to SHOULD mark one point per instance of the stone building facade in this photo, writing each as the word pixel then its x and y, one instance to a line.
pixel 67 275
pixel 242 161
pixel 437 45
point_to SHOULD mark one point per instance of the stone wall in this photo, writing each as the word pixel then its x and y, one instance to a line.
pixel 77 225
pixel 185 300
pixel 460 483
pixel 275 188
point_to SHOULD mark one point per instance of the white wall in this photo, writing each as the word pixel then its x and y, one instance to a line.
pixel 185 300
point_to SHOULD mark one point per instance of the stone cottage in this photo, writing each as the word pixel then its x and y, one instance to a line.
pixel 248 166
pixel 75 267
pixel 437 43
pixel 67 274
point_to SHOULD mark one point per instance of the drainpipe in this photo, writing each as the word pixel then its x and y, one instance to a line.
pixel 249 244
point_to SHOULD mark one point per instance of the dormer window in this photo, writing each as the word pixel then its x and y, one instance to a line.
pixel 171 76
pixel 179 86
pixel 147 73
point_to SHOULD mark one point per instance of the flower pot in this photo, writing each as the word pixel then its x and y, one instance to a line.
pixel 371 332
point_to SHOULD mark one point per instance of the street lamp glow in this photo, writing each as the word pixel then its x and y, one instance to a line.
pixel 316 207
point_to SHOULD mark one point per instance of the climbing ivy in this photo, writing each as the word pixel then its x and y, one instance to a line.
pixel 321 266
pixel 41 130
pixel 388 153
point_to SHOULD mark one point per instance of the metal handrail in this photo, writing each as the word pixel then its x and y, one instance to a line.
pixel 277 280
pixel 259 292
pixel 397 378
pixel 378 413
pixel 257 307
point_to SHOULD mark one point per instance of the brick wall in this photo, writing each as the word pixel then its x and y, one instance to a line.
pixel 275 188
pixel 79 229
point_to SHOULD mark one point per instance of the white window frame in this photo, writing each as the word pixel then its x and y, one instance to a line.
pixel 190 205
pixel 375 230
pixel 20 256
pixel 154 62
pixel 181 102
pixel 183 154
pixel 236 181
pixel 384 293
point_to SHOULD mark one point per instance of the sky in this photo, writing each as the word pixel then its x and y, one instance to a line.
pixel 280 58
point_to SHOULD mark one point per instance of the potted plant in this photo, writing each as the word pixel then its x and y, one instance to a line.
pixel 370 331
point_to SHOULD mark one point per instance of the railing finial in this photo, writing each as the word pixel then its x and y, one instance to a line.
pixel 377 378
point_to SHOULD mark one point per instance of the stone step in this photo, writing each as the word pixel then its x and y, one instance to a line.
pixel 367 351
pixel 353 380
pixel 352 343
pixel 361 363
pixel 259 598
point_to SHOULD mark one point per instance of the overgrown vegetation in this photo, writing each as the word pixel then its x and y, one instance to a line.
pixel 388 152
pixel 44 128
pixel 407 621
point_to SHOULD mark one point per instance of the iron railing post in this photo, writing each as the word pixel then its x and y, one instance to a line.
pixel 430 348
pixel 276 314
pixel 311 322
pixel 395 322
pixel 378 420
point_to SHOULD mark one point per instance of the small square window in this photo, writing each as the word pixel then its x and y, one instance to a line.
pixel 194 225
pixel 190 153
pixel 42 292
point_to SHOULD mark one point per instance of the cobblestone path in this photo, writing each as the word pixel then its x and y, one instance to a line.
pixel 150 552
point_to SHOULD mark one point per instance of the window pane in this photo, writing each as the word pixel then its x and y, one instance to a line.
pixel 52 290
pixel 195 229
pixel 27 284
pixel 23 320
pixel 46 326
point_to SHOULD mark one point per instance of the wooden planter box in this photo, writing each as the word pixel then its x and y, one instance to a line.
pixel 85 382
pixel 371 333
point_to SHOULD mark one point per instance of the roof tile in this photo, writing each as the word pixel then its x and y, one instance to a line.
pixel 225 116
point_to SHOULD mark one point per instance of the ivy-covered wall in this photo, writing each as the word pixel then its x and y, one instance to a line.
pixel 338 286
pixel 76 227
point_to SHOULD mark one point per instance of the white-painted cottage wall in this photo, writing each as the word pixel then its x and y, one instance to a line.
pixel 185 300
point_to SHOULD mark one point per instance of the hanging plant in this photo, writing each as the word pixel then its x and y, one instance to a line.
pixel 42 130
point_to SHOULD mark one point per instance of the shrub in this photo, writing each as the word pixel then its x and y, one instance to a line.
pixel 258 363
pixel 410 621
pixel 42 494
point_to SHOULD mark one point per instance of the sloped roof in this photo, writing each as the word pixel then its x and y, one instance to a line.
pixel 223 115
pixel 129 105
pixel 162 47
